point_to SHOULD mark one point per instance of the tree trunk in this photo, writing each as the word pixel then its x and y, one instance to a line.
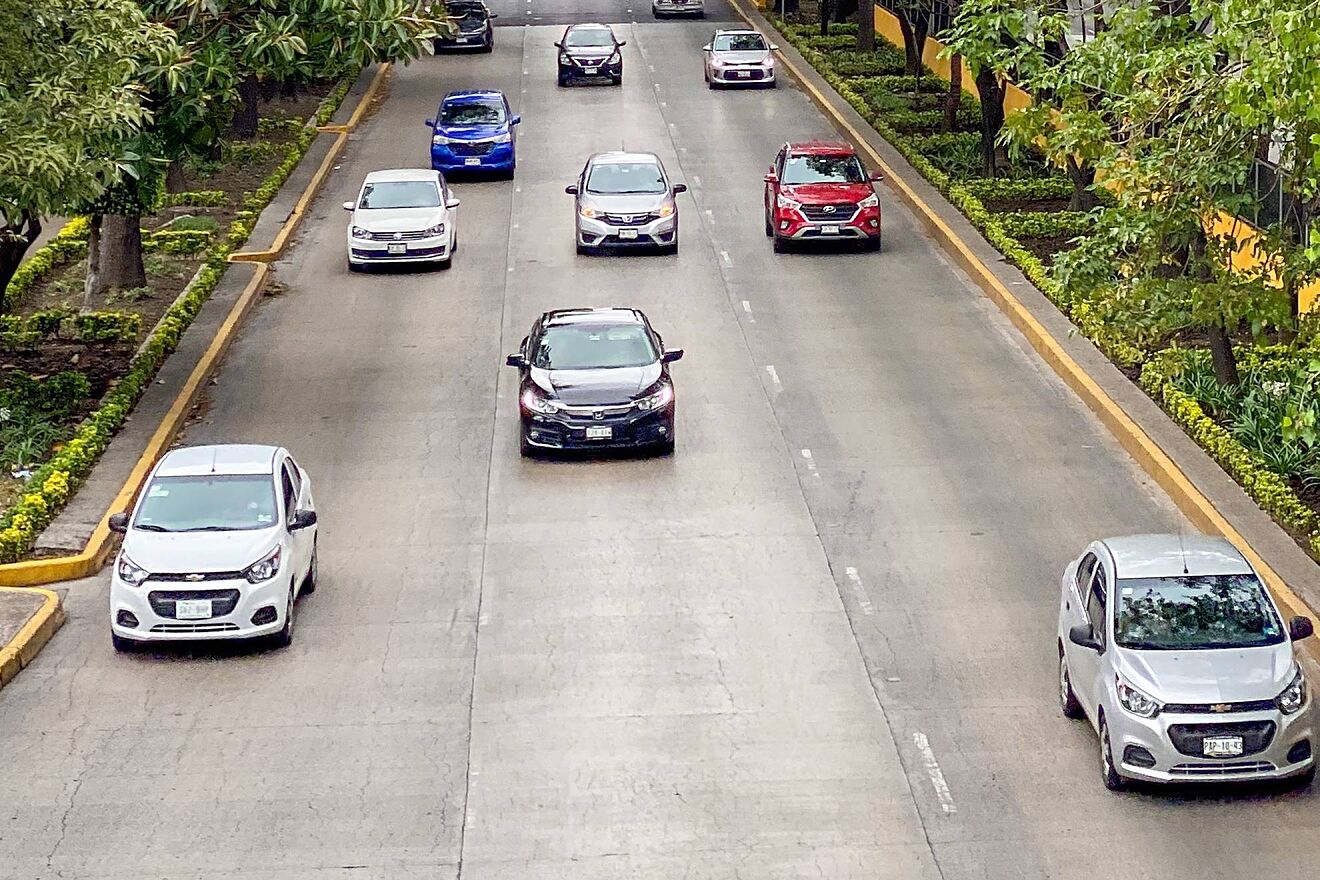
pixel 114 255
pixel 866 26
pixel 1222 357
pixel 992 118
pixel 245 119
pixel 175 181
pixel 843 10
pixel 911 62
pixel 953 98
pixel 824 18
pixel 288 89
pixel 1082 175
pixel 15 239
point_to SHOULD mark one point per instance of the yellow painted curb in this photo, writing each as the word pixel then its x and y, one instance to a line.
pixel 32 636
pixel 1152 459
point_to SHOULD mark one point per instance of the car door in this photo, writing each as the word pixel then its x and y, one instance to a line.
pixel 446 194
pixel 300 540
pixel 1086 666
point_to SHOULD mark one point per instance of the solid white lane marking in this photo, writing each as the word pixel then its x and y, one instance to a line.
pixel 811 463
pixel 747 307
pixel 858 589
pixel 935 773
pixel 724 255
pixel 774 377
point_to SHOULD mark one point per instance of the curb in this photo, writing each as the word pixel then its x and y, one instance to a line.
pixel 33 635
pixel 1194 504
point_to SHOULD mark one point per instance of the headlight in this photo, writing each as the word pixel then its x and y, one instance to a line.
pixel 130 572
pixel 437 229
pixel 587 211
pixel 563 58
pixel 1293 697
pixel 785 202
pixel 503 138
pixel 264 568
pixel 716 63
pixel 359 232
pixel 667 209
pixel 658 400
pixel 533 402
pixel 1135 701
pixel 615 58
pixel 440 140
pixel 870 201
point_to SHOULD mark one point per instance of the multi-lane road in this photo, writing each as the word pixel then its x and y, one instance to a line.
pixel 817 641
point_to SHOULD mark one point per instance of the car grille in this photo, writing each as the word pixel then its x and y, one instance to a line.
pixel 194 627
pixel 1225 769
pixel 196 577
pixel 470 148
pixel 222 601
pixel 627 219
pixel 1256 735
pixel 399 236
pixel 829 213
pixel 747 73
pixel 588 62
pixel 1218 708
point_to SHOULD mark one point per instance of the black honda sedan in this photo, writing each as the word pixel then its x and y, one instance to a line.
pixel 594 378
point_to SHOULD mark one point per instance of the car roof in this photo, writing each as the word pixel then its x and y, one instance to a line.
pixel 820 148
pixel 614 157
pixel 609 315
pixel 399 174
pixel 589 26
pixel 739 31
pixel 226 458
pixel 1138 556
pixel 471 95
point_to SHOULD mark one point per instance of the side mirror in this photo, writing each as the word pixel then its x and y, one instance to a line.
pixel 772 178
pixel 674 354
pixel 706 48
pixel 430 123
pixel 303 519
pixel 559 45
pixel 493 15
pixel 348 206
pixel 1082 636
pixel 877 177
pixel 1300 628
pixel 515 120
pixel 679 188
pixel 119 523
pixel 622 43
pixel 774 47
pixel 515 360
pixel 452 203
pixel 571 189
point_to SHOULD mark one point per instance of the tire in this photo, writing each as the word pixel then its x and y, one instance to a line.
pixel 446 263
pixel 780 245
pixel 769 228
pixel 284 637
pixel 561 80
pixel 583 250
pixel 354 267
pixel 1068 702
pixel 525 448
pixel 1304 780
pixel 666 448
pixel 1109 775
pixel 872 245
pixel 437 47
pixel 488 48
pixel 616 80
pixel 124 645
pixel 309 582
pixel 712 85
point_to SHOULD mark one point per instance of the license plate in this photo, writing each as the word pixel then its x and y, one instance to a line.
pixel 743 73
pixel 472 161
pixel 192 609
pixel 1221 746
pixel 829 230
pixel 589 71
pixel 397 248
pixel 464 39
pixel 600 433
pixel 627 234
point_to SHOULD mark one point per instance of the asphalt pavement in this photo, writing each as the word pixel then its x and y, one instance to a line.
pixel 818 640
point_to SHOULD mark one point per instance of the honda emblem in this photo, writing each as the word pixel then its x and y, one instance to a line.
pixel 598 415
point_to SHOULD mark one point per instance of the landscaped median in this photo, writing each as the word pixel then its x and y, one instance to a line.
pixel 1257 431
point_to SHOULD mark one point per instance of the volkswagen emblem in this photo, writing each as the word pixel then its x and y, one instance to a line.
pixel 828 209
pixel 598 414
pixel 399 235
pixel 1221 707
pixel 194 577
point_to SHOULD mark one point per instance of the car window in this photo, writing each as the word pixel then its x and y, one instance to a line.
pixel 296 475
pixel 589 37
pixel 290 493
pixel 1193 612
pixel 1096 605
pixel 213 502
pixel 739 43
pixel 400 194
pixel 1085 571
pixel 472 113
pixel 626 177
pixel 823 169
pixel 594 346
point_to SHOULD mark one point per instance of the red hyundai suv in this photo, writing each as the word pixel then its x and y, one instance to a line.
pixel 819 191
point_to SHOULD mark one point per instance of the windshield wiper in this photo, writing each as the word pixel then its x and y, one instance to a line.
pixel 151 527
pixel 214 529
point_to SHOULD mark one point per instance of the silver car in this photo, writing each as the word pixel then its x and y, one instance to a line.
pixel 1178 655
pixel 695 8
pixel 739 57
pixel 625 200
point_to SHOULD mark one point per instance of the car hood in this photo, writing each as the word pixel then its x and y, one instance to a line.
pixel 589 51
pixel 597 387
pixel 625 203
pixel 1229 675
pixel 398 219
pixel 759 56
pixel 827 193
pixel 185 552
pixel 471 132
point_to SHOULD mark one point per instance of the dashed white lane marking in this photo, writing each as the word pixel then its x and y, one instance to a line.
pixel 651 67
pixel 935 773
pixel 724 255
pixel 696 181
pixel 747 307
pixel 774 377
pixel 526 71
pixel 811 463
pixel 663 104
pixel 858 588
pixel 710 216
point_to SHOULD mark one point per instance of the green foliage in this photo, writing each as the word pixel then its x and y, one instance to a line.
pixel 27 332
pixel 1030 189
pixel 250 152
pixel 177 241
pixel 212 198
pixel 957 154
pixel 69 244
pixel 191 223
pixel 1046 224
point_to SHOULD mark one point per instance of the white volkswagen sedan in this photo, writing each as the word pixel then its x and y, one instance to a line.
pixel 1174 650
pixel 402 216
pixel 220 543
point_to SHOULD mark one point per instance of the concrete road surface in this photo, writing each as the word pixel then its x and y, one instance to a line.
pixel 815 642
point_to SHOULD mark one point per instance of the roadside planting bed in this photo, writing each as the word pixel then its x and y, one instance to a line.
pixel 1265 432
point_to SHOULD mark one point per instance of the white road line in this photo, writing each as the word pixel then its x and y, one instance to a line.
pixel 774 377
pixel 858 589
pixel 747 307
pixel 696 181
pixel 651 67
pixel 710 215
pixel 724 255
pixel 663 104
pixel 811 463
pixel 933 771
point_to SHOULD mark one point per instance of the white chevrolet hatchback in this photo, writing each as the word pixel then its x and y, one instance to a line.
pixel 1174 650
pixel 219 545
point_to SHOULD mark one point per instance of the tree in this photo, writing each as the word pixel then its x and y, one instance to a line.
pixel 69 103
pixel 824 18
pixel 991 37
pixel 914 19
pixel 866 26
pixel 953 97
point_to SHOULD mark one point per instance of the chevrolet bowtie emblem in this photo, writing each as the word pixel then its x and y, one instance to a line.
pixel 195 577
pixel 1221 707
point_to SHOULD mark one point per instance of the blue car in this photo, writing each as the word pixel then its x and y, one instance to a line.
pixel 474 131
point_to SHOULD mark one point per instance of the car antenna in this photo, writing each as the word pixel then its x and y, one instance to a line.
pixel 1183 551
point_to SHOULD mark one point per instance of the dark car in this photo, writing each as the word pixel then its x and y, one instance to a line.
pixel 594 378
pixel 474 30
pixel 590 52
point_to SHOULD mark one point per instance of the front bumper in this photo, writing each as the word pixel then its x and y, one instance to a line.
pixel 464 41
pixel 457 157
pixel 863 224
pixel 601 71
pixel 1188 764
pixel 678 7
pixel 233 604
pixel 656 233
pixel 362 252
pixel 746 75
pixel 630 429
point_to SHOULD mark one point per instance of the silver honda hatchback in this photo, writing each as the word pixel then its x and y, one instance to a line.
pixel 625 200
pixel 1174 650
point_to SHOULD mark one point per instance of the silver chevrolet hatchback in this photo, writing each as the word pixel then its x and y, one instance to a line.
pixel 1177 654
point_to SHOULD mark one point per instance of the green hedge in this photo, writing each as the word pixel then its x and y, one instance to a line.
pixel 69 244
pixel 1047 224
pixel 51 485
pixel 27 332
pixel 176 241
pixel 206 198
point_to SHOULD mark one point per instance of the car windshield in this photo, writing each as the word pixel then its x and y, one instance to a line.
pixel 469 16
pixel 472 113
pixel 209 503
pixel 598 37
pixel 822 169
pixel 400 194
pixel 739 43
pixel 626 177
pixel 1195 612
pixel 594 347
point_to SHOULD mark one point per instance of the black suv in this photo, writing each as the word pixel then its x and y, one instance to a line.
pixel 590 52
pixel 474 30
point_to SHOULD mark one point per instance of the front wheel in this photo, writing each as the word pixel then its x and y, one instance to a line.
pixel 872 244
pixel 525 447
pixel 617 80
pixel 284 637
pixel 124 645
pixel 1109 775
pixel 309 582
pixel 561 80
pixel 1304 780
pixel 780 244
pixel 1068 701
